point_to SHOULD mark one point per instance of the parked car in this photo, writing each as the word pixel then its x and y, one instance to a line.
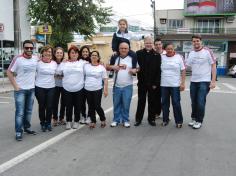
pixel 232 71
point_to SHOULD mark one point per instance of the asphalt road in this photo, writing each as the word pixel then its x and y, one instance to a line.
pixel 143 150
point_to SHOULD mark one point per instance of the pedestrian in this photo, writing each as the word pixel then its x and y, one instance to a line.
pixel 84 55
pixel 58 94
pixel 95 75
pixel 123 86
pixel 149 76
pixel 72 71
pixel 123 35
pixel 45 87
pixel 21 74
pixel 203 64
pixel 158 47
pixel 173 73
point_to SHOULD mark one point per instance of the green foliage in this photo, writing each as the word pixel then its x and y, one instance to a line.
pixel 68 16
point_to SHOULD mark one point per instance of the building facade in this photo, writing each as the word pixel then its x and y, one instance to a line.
pixel 217 28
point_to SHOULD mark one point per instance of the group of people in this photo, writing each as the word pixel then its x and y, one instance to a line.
pixel 53 79
pixel 82 78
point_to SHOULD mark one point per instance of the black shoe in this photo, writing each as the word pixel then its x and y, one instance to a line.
pixel 43 128
pixel 152 123
pixel 165 123
pixel 19 136
pixel 28 131
pixel 137 123
pixel 49 127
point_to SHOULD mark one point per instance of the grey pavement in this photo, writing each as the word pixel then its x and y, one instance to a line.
pixel 143 150
pixel 5 85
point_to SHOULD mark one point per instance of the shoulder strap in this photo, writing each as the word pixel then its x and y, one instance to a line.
pixel 116 73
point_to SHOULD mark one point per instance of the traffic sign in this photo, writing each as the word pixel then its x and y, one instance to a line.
pixel 1 27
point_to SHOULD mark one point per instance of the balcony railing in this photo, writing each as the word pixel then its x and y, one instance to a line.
pixel 208 31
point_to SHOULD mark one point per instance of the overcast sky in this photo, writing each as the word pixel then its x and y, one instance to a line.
pixel 140 9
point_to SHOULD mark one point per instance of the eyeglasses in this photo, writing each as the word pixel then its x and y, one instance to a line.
pixel 29 48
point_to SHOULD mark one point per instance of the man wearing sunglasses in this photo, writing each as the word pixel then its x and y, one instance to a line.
pixel 21 74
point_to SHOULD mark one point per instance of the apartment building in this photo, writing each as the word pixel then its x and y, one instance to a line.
pixel 213 19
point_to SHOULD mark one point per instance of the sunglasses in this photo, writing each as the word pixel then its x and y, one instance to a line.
pixel 29 48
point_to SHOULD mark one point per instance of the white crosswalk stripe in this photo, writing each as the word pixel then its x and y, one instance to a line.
pixel 229 86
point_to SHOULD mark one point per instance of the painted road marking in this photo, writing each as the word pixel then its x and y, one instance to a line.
pixel 4 102
pixel 229 86
pixel 20 158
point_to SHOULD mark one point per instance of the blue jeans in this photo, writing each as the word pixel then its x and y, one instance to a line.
pixel 121 100
pixel 174 93
pixel 24 100
pixel 198 93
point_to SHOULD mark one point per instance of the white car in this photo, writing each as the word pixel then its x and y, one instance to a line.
pixel 232 71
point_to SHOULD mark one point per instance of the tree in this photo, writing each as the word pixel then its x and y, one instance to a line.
pixel 68 16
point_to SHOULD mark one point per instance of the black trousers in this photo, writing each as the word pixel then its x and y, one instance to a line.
pixel 73 101
pixel 83 104
pixel 94 103
pixel 59 96
pixel 158 101
pixel 145 91
pixel 45 97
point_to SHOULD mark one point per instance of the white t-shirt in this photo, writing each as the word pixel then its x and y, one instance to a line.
pixel 171 70
pixel 201 63
pixel 45 74
pixel 124 78
pixel 73 75
pixel 94 76
pixel 25 70
pixel 58 81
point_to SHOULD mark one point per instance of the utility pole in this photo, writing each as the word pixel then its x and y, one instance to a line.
pixel 17 31
pixel 153 5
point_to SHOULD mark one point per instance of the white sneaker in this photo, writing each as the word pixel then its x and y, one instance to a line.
pixel 82 121
pixel 192 123
pixel 88 120
pixel 197 125
pixel 126 124
pixel 114 124
pixel 68 125
pixel 75 125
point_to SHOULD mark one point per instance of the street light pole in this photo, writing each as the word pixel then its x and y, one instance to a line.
pixel 153 5
pixel 16 27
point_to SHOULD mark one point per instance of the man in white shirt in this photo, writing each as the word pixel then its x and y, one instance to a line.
pixel 123 86
pixel 203 64
pixel 158 46
pixel 24 66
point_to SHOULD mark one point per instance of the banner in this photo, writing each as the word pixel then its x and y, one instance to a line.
pixel 209 7
pixel 45 29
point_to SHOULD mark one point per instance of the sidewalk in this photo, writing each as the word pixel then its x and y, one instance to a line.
pixel 5 85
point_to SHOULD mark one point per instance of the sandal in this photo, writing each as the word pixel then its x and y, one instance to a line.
pixel 62 122
pixel 179 125
pixel 103 124
pixel 54 122
pixel 92 125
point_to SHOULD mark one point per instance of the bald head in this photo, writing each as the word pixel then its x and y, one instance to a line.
pixel 123 49
pixel 148 43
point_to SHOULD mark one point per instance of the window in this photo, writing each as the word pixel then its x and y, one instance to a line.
pixel 108 29
pixel 208 26
pixel 175 23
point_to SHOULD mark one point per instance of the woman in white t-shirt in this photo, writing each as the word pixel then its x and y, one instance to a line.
pixel 59 94
pixel 72 71
pixel 95 74
pixel 45 87
pixel 172 82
